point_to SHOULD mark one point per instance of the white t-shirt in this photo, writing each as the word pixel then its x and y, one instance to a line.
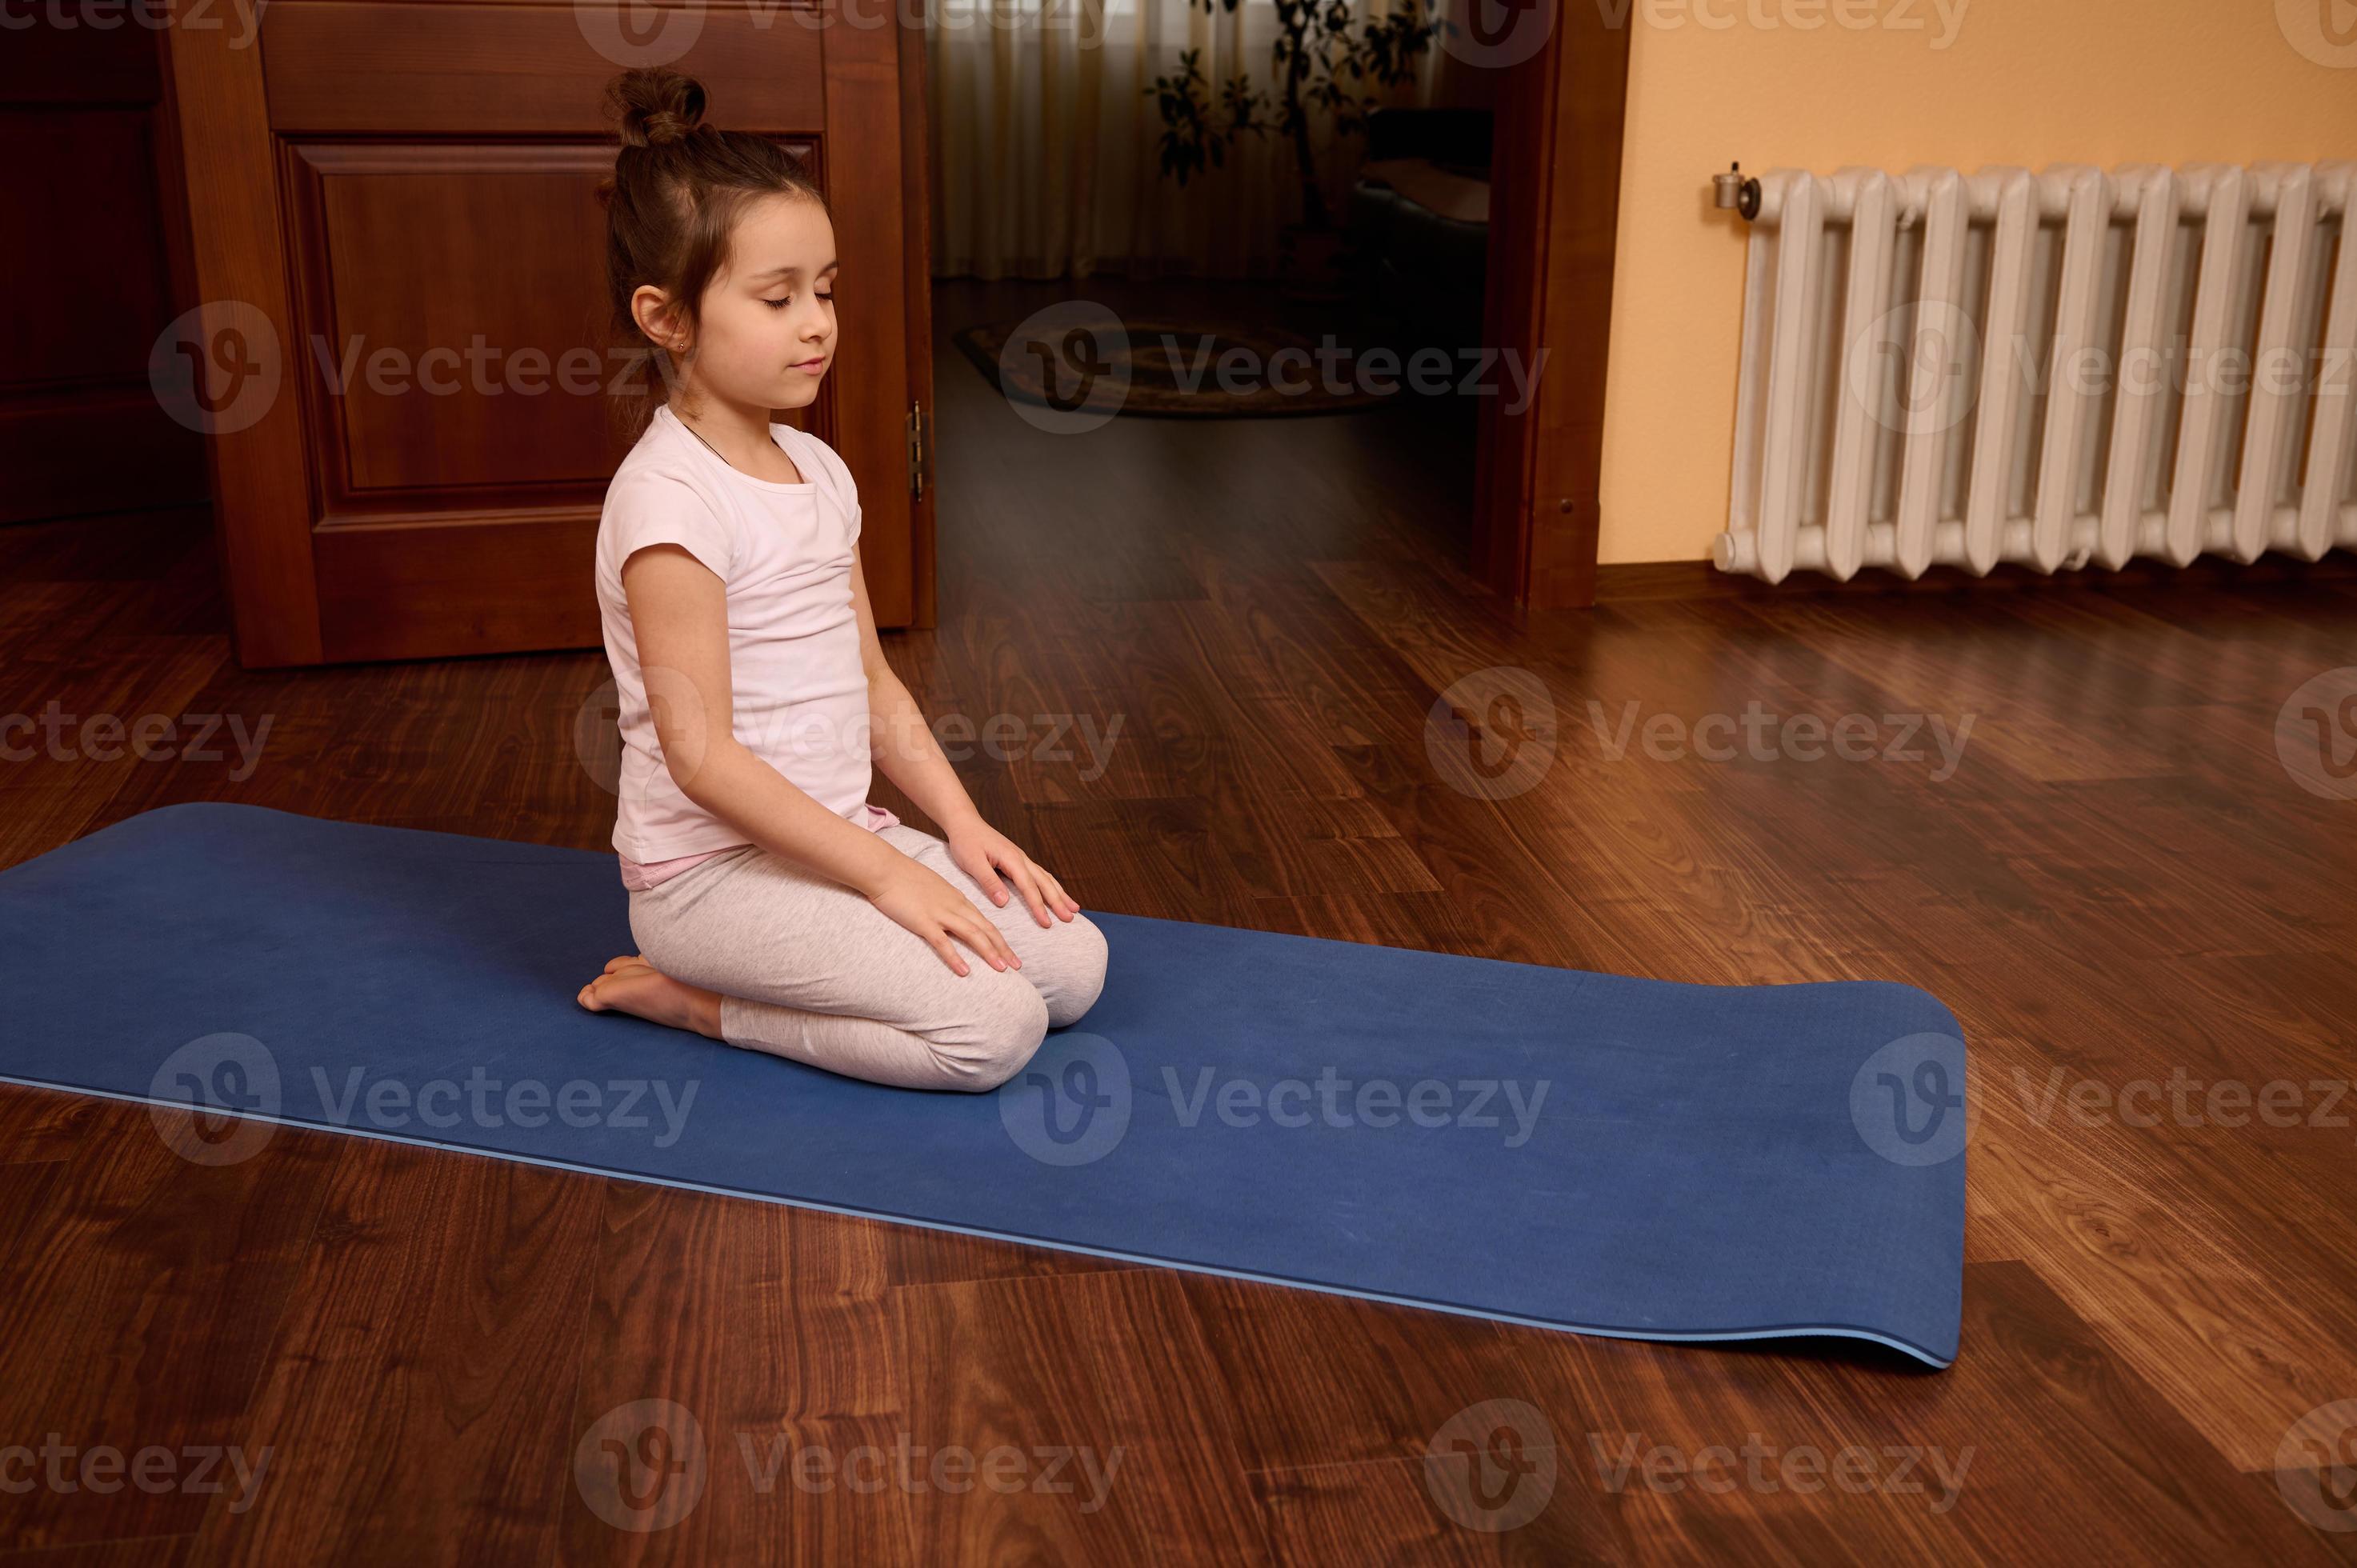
pixel 798 691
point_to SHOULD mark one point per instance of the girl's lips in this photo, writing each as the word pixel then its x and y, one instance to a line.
pixel 813 366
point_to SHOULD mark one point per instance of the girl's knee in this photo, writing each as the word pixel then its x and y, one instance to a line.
pixel 1079 972
pixel 1009 1023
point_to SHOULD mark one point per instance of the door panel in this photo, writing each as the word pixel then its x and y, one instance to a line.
pixel 399 248
pixel 403 198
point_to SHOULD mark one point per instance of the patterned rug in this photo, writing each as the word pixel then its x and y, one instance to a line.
pixel 1082 360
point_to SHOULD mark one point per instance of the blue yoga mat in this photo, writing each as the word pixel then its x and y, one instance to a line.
pixel 1585 1151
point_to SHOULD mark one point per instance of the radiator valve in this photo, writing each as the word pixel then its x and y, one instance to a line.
pixel 1736 192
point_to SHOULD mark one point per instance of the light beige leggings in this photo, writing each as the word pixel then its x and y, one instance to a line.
pixel 808 969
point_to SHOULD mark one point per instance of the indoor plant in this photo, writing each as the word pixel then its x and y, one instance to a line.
pixel 1324 64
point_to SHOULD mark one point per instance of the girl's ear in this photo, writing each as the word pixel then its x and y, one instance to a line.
pixel 651 308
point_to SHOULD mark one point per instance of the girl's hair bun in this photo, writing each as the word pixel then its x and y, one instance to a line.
pixel 656 106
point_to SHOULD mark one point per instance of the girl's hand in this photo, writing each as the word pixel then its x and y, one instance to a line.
pixel 921 899
pixel 980 848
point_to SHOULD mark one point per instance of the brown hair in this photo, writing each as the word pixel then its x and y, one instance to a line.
pixel 671 203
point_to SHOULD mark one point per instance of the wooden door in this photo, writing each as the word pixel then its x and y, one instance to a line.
pixel 407 376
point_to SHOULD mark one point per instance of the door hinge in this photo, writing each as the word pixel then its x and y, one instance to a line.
pixel 915 448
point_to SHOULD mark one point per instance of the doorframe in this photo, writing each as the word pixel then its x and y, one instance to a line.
pixel 1554 203
pixel 917 239
pixel 235 243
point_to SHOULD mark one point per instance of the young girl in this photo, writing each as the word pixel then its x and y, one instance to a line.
pixel 774 907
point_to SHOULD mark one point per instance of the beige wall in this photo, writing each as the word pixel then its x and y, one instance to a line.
pixel 1990 81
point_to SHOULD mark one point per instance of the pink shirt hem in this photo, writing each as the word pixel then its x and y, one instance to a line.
pixel 638 876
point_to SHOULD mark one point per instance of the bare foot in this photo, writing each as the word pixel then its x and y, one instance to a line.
pixel 631 984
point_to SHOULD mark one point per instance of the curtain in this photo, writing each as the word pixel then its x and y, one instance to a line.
pixel 1046 142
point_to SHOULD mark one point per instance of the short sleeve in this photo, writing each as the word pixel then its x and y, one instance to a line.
pixel 850 492
pixel 838 477
pixel 654 508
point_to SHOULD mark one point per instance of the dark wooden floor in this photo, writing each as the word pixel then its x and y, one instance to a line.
pixel 2119 882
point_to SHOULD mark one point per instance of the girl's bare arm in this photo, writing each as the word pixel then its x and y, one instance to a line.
pixel 679 613
pixel 906 752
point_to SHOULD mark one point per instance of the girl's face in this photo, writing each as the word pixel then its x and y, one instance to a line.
pixel 767 329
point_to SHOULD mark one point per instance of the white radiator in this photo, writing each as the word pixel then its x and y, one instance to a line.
pixel 2054 369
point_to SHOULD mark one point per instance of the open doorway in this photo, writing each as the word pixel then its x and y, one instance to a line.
pixel 1324 282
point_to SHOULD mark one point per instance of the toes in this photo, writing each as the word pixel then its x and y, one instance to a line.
pixel 625 961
